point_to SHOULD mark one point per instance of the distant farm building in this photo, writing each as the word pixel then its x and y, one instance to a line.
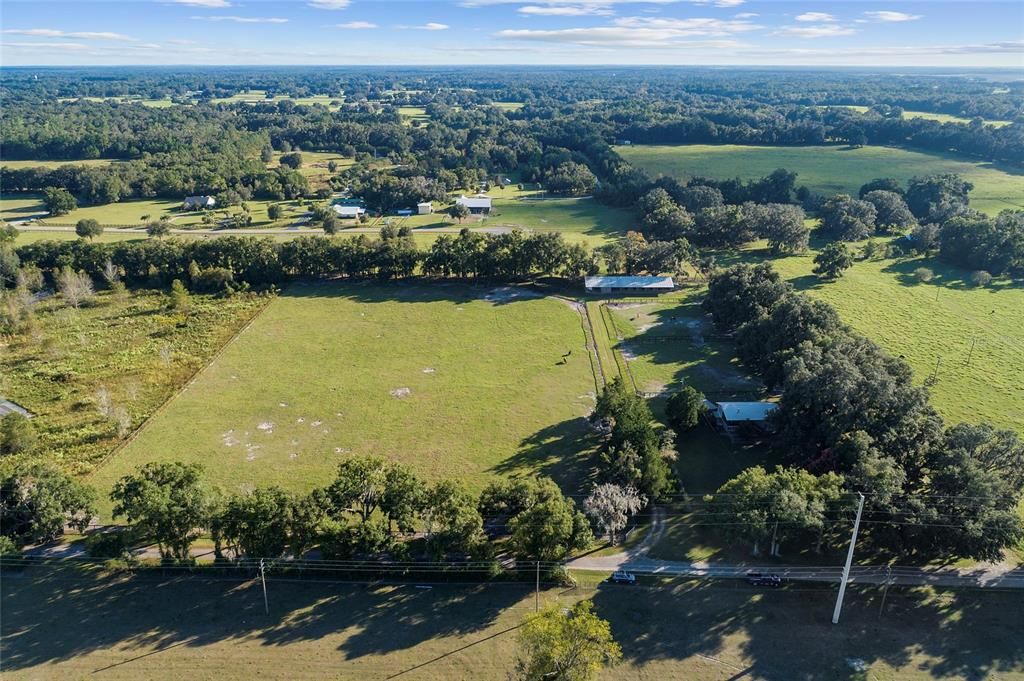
pixel 8 407
pixel 198 203
pixel 348 212
pixel 633 285
pixel 479 205
pixel 742 419
pixel 424 208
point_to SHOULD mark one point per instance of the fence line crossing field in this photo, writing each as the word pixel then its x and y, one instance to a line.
pixel 455 381
pixel 830 169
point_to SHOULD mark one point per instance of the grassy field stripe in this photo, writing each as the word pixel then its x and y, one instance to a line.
pixel 184 386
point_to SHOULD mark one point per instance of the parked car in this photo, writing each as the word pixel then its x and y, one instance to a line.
pixel 761 579
pixel 623 578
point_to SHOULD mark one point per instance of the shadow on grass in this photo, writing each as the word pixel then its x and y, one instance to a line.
pixel 418 290
pixel 563 451
pixel 55 615
pixel 58 614
pixel 944 275
pixel 787 634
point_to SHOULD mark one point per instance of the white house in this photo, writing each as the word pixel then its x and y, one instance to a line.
pixel 475 204
pixel 632 284
pixel 198 203
pixel 348 212
pixel 424 208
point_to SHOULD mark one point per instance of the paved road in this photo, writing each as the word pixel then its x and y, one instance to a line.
pixel 637 561
pixel 271 231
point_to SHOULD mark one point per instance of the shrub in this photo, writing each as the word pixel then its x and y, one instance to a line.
pixel 981 278
pixel 108 545
pixel 923 274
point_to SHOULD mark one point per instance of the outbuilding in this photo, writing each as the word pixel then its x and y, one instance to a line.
pixel 348 212
pixel 478 205
pixel 198 203
pixel 424 208
pixel 743 419
pixel 634 285
pixel 8 407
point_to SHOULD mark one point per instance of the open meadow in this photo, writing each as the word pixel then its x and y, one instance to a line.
pixel 455 381
pixel 59 623
pixel 830 169
pixel 77 369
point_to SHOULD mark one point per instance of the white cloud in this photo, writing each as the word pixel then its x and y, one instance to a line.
pixel 745 15
pixel 820 31
pixel 357 25
pixel 181 41
pixel 330 4
pixel 566 10
pixel 888 16
pixel 48 46
pixel 212 4
pixel 640 32
pixel 81 35
pixel 815 16
pixel 431 26
pixel 243 20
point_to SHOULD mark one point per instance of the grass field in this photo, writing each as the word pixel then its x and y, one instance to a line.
pixel 17 165
pixel 941 118
pixel 260 97
pixel 155 103
pixel 314 165
pixel 134 346
pixel 830 169
pixel 454 381
pixel 60 624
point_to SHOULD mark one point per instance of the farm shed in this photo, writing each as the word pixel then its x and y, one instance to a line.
pixel 475 204
pixel 742 418
pixel 348 212
pixel 635 285
pixel 424 208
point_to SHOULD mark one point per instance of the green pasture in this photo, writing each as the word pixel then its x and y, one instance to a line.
pixel 830 169
pixel 456 381
pixel 509 106
pixel 18 165
pixel 932 323
pixel 940 117
pixel 260 97
pixel 62 623
pixel 155 103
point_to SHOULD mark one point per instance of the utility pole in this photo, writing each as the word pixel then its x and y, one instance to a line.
pixel 536 593
pixel 935 373
pixel 263 580
pixel 971 352
pixel 849 561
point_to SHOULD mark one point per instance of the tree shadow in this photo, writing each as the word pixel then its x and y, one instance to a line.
pixel 944 275
pixel 416 290
pixel 562 451
pixel 55 614
pixel 787 634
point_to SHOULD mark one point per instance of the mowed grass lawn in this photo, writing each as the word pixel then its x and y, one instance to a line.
pixel 449 379
pixel 59 624
pixel 926 323
pixel 830 169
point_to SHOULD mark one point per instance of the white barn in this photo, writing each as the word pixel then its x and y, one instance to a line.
pixel 631 284
pixel 475 204
pixel 424 208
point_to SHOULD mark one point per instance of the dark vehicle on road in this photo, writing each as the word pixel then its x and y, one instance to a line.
pixel 762 579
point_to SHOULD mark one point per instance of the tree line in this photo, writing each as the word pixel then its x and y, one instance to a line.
pixel 849 409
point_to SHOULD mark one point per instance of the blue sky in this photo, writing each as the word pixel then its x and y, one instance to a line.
pixel 762 32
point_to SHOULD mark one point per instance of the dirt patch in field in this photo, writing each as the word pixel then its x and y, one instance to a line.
pixel 400 393
pixel 504 294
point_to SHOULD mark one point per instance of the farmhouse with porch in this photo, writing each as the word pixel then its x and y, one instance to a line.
pixel 742 420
